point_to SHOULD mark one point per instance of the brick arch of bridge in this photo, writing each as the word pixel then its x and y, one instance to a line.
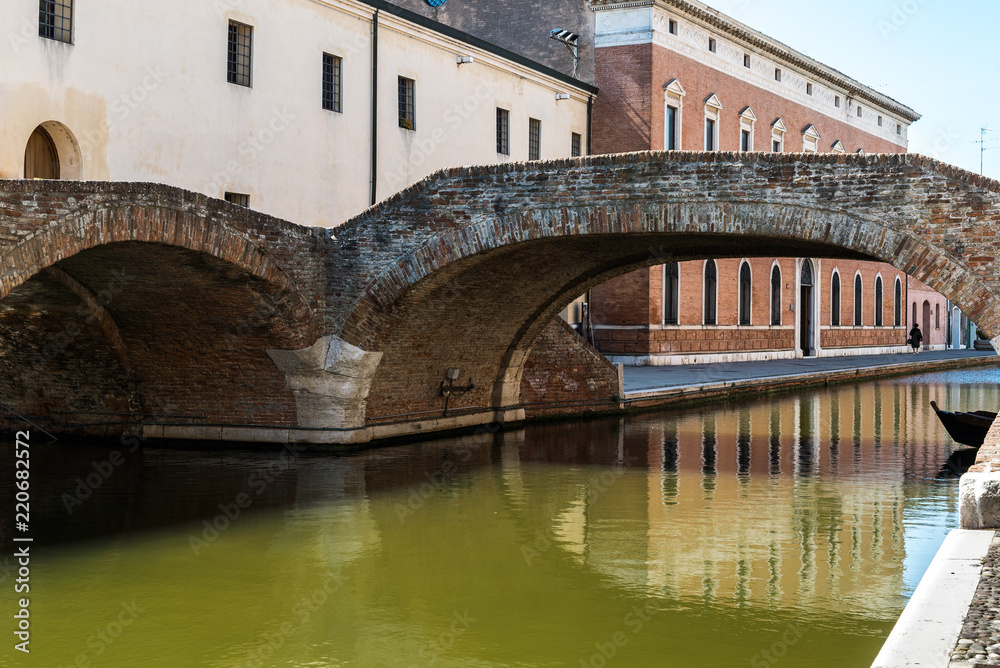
pixel 465 269
pixel 128 299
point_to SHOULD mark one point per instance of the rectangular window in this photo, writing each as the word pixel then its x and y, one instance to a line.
pixel 55 20
pixel 745 140
pixel 836 101
pixel 534 139
pixel 673 27
pixel 332 66
pixel 240 53
pixel 746 60
pixel 776 146
pixel 239 199
pixel 777 74
pixel 576 145
pixel 709 134
pixel 671 122
pixel 859 111
pixel 899 129
pixel 809 89
pixel 407 104
pixel 711 44
pixel 503 131
pixel 880 121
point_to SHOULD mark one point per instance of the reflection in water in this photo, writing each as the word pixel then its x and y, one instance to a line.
pixel 774 452
pixel 524 548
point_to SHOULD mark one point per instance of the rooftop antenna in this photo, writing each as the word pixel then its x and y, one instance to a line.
pixel 572 42
pixel 982 145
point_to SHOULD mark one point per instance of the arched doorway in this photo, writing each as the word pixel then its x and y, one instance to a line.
pixel 41 159
pixel 806 309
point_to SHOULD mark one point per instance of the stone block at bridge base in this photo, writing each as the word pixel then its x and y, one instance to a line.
pixel 979 501
pixel 330 380
pixel 979 490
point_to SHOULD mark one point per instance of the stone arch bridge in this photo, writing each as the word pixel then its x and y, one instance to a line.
pixel 127 306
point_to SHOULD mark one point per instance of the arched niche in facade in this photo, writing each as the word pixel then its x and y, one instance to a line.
pixel 52 152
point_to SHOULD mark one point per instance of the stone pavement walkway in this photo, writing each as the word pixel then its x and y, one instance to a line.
pixel 642 379
pixel 979 644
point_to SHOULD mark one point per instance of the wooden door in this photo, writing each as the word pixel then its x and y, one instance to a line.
pixel 41 160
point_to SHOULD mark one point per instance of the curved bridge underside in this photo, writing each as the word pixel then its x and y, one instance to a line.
pixel 463 270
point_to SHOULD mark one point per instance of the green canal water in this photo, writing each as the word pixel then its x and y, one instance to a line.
pixel 787 531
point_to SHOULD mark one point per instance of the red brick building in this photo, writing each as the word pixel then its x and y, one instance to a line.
pixel 677 75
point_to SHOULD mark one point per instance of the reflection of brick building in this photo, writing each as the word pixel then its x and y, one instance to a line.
pixel 677 75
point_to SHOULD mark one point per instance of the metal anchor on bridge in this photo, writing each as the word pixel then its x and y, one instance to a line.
pixel 449 388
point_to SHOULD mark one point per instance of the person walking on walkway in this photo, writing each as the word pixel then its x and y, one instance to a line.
pixel 915 338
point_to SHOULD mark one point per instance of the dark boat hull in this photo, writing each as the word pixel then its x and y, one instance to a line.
pixel 966 428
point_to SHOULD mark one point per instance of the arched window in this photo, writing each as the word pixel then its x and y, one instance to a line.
pixel 775 295
pixel 857 300
pixel 746 291
pixel 937 316
pixel 914 319
pixel 835 299
pixel 671 293
pixel 897 309
pixel 711 289
pixel 878 301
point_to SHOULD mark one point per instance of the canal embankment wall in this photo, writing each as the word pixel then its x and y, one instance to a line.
pixel 927 632
pixel 707 383
pixel 623 389
pixel 979 490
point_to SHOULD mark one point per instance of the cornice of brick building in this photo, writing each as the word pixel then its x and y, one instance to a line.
pixel 704 14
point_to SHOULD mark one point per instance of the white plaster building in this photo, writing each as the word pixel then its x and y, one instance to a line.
pixel 272 102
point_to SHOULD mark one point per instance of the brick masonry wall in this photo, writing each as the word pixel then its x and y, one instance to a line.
pixel 691 336
pixel 42 222
pixel 521 27
pixel 49 366
pixel 623 111
pixel 851 337
pixel 187 294
pixel 624 300
pixel 700 81
pixel 869 271
pixel 678 340
pixel 629 114
pixel 847 335
pixel 563 368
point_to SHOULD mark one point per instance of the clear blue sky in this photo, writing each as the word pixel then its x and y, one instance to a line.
pixel 940 58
